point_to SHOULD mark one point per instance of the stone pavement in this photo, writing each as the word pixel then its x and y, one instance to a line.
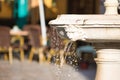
pixel 34 71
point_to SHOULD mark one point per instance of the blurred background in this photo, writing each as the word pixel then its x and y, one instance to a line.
pixel 10 10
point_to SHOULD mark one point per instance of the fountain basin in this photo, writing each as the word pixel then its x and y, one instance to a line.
pixel 102 31
pixel 92 28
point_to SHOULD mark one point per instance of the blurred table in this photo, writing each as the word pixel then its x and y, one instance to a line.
pixel 18 33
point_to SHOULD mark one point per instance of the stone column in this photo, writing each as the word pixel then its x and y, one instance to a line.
pixel 108 60
pixel 108 64
pixel 111 6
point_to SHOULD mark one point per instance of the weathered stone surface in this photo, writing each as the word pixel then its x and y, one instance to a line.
pixel 35 71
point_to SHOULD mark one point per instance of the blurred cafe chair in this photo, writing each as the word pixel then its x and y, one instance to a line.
pixel 17 41
pixel 5 45
pixel 35 41
pixel 18 45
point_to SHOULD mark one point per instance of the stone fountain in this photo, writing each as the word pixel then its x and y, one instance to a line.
pixel 103 31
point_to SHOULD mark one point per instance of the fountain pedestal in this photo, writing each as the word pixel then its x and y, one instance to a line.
pixel 108 64
pixel 103 31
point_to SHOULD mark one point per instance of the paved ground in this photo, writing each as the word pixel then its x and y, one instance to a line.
pixel 34 71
